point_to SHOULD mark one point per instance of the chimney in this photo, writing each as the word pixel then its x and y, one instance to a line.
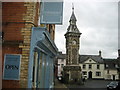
pixel 100 53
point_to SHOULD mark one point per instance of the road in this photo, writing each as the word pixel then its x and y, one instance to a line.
pixel 91 85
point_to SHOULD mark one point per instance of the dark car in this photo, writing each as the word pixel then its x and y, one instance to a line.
pixel 112 85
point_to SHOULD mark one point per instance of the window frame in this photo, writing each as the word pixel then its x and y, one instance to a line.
pixel 98 66
pixel 84 66
pixel 98 74
pixel 90 66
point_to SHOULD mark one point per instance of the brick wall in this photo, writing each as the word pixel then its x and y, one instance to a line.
pixel 12 14
pixel 18 18
pixel 30 16
pixel 10 50
pixel 51 30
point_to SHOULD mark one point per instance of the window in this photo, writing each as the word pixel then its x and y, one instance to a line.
pixel 58 64
pixel 62 65
pixel 84 66
pixel 116 66
pixel 84 73
pixel 35 69
pixel 90 60
pixel 50 28
pixel 98 66
pixel 98 73
pixel 90 66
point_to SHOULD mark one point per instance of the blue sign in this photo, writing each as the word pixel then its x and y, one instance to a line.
pixel 51 12
pixel 11 67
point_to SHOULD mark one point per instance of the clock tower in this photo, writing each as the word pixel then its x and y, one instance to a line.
pixel 72 70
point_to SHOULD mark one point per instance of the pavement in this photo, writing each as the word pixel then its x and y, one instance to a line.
pixel 89 85
pixel 59 85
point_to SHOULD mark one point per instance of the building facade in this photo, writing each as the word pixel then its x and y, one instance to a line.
pixel 28 49
pixel 92 66
pixel 16 33
pixel 96 67
pixel 110 70
pixel 61 63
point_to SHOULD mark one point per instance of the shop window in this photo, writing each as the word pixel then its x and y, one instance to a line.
pixel 39 66
pixel 35 68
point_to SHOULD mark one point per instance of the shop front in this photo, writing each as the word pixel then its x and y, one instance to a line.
pixel 41 63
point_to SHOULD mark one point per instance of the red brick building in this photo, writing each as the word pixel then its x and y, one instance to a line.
pixel 18 18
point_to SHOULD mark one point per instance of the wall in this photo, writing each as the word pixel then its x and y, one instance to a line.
pixel 60 68
pixel 109 76
pixel 18 19
pixel 12 20
pixel 10 50
pixel 94 68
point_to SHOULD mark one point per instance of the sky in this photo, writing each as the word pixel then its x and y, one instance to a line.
pixel 98 23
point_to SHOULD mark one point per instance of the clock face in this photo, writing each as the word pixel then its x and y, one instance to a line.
pixel 74 42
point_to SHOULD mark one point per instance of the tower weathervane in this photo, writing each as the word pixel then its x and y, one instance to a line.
pixel 72 7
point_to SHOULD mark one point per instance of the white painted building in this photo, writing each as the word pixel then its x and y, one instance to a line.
pixel 61 63
pixel 93 66
pixel 111 69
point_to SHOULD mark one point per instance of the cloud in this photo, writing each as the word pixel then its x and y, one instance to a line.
pixel 98 23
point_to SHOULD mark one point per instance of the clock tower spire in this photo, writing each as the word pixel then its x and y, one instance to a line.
pixel 72 68
pixel 72 41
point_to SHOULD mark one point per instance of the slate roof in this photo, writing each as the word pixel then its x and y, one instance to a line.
pixel 96 58
pixel 73 18
pixel 82 58
pixel 73 27
pixel 61 56
pixel 110 63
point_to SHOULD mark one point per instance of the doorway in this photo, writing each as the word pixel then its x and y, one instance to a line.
pixel 113 77
pixel 90 75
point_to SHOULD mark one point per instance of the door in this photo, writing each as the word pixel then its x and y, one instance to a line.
pixel 113 77
pixel 90 75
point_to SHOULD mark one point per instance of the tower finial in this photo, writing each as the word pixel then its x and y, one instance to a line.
pixel 72 7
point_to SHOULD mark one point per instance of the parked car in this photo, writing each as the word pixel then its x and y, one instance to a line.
pixel 112 85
